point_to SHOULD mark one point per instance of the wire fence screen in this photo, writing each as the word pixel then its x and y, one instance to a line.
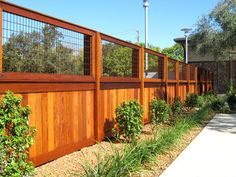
pixel 37 47
pixel 119 60
pixel 155 65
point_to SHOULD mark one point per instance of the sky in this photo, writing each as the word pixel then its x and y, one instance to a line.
pixel 123 18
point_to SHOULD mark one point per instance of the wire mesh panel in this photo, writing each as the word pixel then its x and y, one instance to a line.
pixel 119 60
pixel 171 70
pixel 37 47
pixel 182 71
pixel 155 66
pixel 192 68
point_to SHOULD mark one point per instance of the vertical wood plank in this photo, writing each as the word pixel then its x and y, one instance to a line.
pixel 166 77
pixel 188 78
pixel 31 101
pixel 50 122
pixel 141 76
pixel 80 116
pixel 177 79
pixel 44 110
pixel 196 79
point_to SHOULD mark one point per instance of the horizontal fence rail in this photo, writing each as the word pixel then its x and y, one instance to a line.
pixel 73 78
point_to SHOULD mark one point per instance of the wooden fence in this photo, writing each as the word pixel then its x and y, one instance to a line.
pixel 71 111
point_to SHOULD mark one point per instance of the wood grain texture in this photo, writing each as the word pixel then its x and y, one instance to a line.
pixel 183 92
pixel 191 88
pixel 61 119
pixel 171 93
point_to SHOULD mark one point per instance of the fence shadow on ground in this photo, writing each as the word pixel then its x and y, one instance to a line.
pixel 225 123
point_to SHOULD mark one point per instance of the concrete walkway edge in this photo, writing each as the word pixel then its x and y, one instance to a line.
pixel 211 154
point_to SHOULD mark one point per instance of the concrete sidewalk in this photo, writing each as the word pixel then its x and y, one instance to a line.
pixel 211 154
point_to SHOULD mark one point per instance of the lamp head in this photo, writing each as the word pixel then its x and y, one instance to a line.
pixel 145 3
pixel 186 30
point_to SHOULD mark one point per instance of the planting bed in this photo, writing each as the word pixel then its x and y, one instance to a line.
pixel 71 165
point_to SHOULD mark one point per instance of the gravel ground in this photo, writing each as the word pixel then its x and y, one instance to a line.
pixel 70 165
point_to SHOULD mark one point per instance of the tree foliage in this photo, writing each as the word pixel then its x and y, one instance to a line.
pixel 216 32
pixel 176 52
pixel 117 60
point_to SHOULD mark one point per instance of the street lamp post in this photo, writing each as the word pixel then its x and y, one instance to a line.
pixel 186 34
pixel 146 5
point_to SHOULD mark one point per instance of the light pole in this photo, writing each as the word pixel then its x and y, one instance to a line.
pixel 146 5
pixel 186 34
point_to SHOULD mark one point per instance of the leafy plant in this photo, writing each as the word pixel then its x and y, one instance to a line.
pixel 160 111
pixel 128 120
pixel 191 100
pixel 16 137
pixel 231 96
pixel 231 99
pixel 230 88
pixel 177 106
pixel 219 105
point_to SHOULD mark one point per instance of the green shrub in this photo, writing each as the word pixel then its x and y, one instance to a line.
pixel 201 101
pixel 160 111
pixel 128 120
pixel 230 88
pixel 16 137
pixel 231 96
pixel 205 100
pixel 219 105
pixel 191 100
pixel 231 99
pixel 177 106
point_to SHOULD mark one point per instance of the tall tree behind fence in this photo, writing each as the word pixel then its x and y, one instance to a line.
pixel 73 78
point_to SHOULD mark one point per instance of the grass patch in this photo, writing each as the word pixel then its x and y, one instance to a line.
pixel 134 155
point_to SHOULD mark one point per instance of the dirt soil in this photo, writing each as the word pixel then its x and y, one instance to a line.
pixel 71 164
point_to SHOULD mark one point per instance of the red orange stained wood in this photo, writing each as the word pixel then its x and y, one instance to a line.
pixel 54 117
pixel 177 79
pixel 44 87
pixel 141 76
pixel 50 122
pixel 99 122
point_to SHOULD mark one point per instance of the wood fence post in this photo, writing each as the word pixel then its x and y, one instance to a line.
pixel 141 75
pixel 99 122
pixel 188 78
pixel 196 79
pixel 166 77
pixel 177 94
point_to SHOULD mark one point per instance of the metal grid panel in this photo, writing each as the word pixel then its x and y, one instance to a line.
pixel 155 66
pixel 171 70
pixel 192 72
pixel 182 71
pixel 119 60
pixel 37 47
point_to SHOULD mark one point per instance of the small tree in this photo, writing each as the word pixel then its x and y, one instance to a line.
pixel 177 106
pixel 16 137
pixel 160 111
pixel 191 100
pixel 128 120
